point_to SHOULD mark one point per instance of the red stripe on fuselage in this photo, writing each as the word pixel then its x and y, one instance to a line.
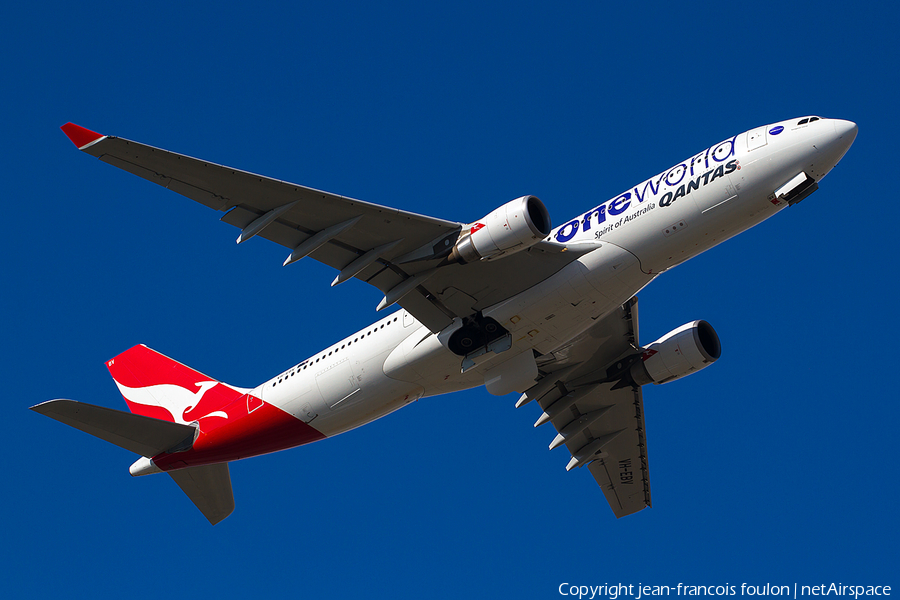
pixel 266 429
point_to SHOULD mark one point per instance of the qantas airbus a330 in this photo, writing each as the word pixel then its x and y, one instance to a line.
pixel 506 302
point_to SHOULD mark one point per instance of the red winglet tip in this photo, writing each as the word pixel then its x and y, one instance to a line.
pixel 80 136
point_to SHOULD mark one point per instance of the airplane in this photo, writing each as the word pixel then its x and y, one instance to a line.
pixel 507 302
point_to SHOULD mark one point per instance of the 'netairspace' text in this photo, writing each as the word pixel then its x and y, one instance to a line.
pixel 614 591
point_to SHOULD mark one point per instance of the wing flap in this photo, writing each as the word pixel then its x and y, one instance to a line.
pixel 425 311
pixel 621 469
pixel 623 473
pixel 614 445
pixel 490 282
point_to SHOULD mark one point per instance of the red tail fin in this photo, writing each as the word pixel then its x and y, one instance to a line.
pixel 157 386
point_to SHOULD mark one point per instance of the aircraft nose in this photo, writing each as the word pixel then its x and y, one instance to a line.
pixel 833 146
pixel 845 133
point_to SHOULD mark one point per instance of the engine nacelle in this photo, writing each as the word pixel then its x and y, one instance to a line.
pixel 680 352
pixel 515 226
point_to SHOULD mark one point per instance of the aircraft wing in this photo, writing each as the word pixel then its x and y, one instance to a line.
pixel 600 420
pixel 394 250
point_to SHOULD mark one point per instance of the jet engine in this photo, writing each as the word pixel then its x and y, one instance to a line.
pixel 682 351
pixel 515 226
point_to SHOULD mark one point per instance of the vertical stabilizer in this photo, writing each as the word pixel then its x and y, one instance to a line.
pixel 156 386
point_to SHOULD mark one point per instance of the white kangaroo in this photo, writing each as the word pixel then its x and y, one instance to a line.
pixel 173 398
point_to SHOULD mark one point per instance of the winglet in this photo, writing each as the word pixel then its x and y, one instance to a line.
pixel 80 136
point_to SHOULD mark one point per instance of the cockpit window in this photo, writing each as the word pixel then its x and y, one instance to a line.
pixel 813 119
pixel 803 121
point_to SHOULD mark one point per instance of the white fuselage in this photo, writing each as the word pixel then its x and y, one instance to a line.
pixel 623 244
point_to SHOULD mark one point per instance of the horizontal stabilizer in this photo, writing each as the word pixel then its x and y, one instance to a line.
pixel 209 488
pixel 143 435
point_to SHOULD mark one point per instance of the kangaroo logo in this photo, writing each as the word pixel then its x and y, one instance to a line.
pixel 175 399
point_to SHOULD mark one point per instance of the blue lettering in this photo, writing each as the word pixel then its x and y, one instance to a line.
pixel 601 216
pixel 620 204
pixel 653 188
pixel 563 237
pixel 682 168
pixel 719 154
pixel 696 161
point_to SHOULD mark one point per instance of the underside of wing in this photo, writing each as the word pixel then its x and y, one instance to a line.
pixel 597 413
pixel 403 254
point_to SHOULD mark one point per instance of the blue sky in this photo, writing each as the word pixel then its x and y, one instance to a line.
pixel 776 465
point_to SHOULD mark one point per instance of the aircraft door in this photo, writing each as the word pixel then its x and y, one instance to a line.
pixel 713 199
pixel 337 384
pixel 756 138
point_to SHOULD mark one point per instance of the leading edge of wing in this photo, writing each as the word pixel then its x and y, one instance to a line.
pixel 395 251
pixel 99 145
